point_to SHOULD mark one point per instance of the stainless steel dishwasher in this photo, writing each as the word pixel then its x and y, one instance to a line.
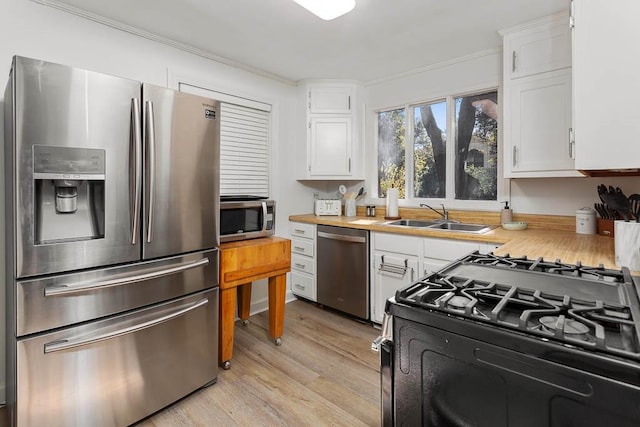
pixel 343 269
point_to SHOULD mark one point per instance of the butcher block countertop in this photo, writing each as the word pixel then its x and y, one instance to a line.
pixel 550 237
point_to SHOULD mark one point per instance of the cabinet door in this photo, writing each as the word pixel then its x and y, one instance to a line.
pixel 391 272
pixel 606 84
pixel 546 47
pixel 303 285
pixel 330 146
pixel 538 132
pixel 330 100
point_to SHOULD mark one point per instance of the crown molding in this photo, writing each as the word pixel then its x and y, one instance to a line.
pixel 431 67
pixel 160 39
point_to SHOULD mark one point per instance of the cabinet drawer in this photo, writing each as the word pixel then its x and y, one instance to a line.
pixel 397 243
pixel 299 229
pixel 302 247
pixel 304 264
pixel 447 250
pixel 303 285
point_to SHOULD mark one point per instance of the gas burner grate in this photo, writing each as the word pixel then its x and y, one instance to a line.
pixel 587 322
pixel 551 267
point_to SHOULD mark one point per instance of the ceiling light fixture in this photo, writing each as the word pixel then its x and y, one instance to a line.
pixel 327 9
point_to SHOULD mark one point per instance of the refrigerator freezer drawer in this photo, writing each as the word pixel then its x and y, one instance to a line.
pixel 66 299
pixel 116 371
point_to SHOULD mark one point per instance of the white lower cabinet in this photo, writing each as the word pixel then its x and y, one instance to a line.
pixel 399 260
pixel 303 260
pixel 394 265
pixel 437 253
pixel 390 272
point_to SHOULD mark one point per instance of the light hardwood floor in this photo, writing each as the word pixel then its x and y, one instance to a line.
pixel 324 373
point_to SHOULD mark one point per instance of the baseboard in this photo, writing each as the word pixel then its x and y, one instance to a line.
pixel 263 303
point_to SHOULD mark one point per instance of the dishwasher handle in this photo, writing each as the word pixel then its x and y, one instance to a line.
pixel 344 238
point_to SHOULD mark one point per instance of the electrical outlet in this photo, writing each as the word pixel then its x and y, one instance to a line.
pixel 315 196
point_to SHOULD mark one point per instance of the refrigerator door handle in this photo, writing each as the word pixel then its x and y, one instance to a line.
pixel 71 343
pixel 151 171
pixel 135 169
pixel 80 287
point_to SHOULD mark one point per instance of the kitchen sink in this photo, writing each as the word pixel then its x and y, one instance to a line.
pixel 412 223
pixel 440 225
pixel 459 226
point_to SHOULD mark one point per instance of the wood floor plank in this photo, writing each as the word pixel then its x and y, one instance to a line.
pixel 323 374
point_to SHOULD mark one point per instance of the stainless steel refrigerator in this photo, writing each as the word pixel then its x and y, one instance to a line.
pixel 112 204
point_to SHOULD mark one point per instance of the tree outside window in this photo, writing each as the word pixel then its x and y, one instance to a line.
pixel 429 150
pixel 391 152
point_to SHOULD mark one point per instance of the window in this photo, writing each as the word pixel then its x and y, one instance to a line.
pixel 431 166
pixel 429 150
pixel 391 152
pixel 476 174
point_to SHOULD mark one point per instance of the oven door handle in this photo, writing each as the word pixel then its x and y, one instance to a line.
pixel 71 343
pixel 384 346
pixel 84 286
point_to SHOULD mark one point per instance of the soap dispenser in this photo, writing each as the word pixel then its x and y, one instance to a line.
pixel 507 214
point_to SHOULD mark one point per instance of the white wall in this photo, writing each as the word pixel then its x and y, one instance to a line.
pixel 554 196
pixel 33 30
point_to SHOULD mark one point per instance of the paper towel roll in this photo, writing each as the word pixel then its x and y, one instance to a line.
pixel 392 202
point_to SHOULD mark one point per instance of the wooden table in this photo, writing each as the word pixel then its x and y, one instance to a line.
pixel 241 263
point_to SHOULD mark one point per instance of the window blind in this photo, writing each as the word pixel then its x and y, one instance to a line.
pixel 245 140
pixel 244 153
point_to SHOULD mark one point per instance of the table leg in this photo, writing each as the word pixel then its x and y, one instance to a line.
pixel 226 317
pixel 277 291
pixel 244 302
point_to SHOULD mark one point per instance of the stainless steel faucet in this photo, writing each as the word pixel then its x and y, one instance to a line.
pixel 444 214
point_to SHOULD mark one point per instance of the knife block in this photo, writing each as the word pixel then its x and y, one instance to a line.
pixel 605 227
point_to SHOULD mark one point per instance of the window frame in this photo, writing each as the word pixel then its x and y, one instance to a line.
pixel 502 192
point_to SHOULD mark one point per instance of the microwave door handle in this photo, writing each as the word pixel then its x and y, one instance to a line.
pixel 264 217
pixel 135 169
pixel 151 172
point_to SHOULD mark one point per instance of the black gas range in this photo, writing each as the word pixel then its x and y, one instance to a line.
pixel 504 341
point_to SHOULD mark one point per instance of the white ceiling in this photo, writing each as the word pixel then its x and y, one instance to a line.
pixel 377 40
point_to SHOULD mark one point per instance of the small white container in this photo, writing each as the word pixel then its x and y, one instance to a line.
pixel 586 221
pixel 350 207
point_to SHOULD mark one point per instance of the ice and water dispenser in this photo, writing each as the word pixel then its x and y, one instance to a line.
pixel 69 193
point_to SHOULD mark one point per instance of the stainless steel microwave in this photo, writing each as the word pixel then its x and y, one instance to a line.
pixel 246 217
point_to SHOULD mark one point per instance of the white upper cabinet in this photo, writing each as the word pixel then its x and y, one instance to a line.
pixel 606 82
pixel 537 99
pixel 541 47
pixel 330 146
pixel 332 149
pixel 540 124
pixel 330 100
